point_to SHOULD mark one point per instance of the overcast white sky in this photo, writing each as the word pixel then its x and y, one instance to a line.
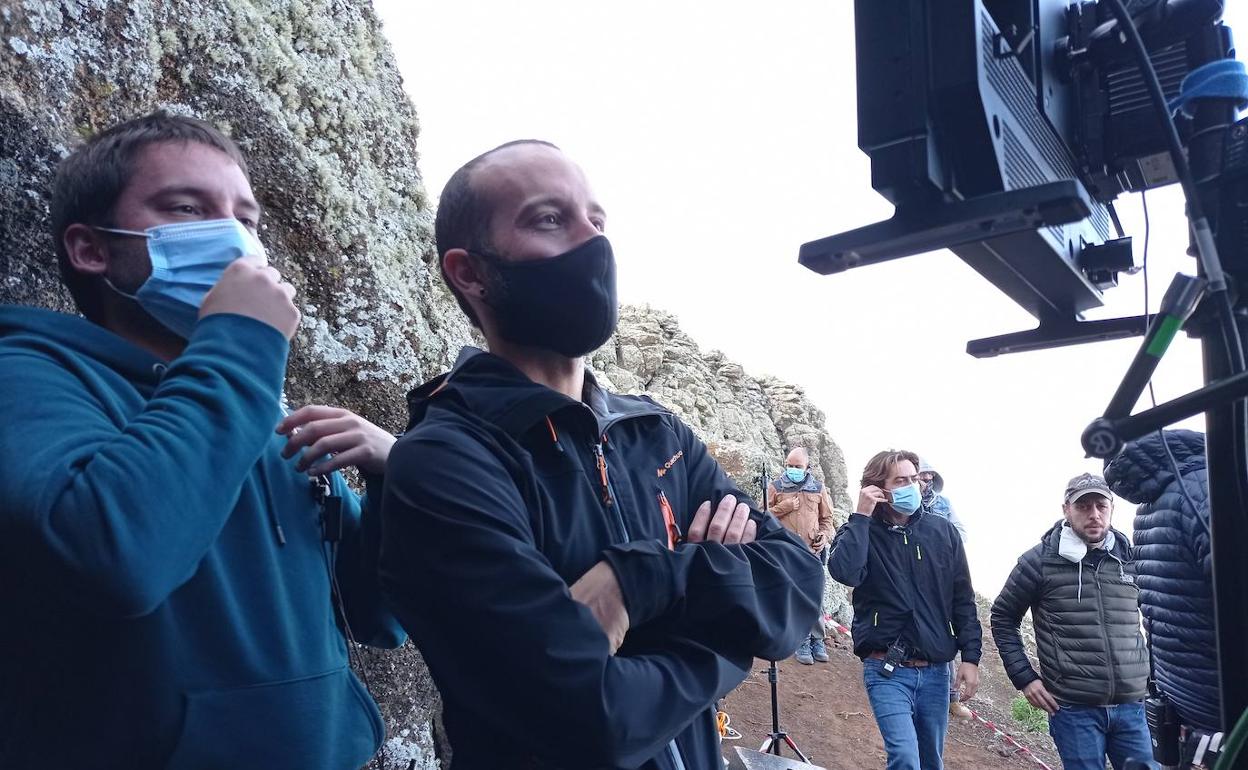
pixel 720 137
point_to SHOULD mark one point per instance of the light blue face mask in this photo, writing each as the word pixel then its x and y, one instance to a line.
pixel 795 474
pixel 187 260
pixel 906 500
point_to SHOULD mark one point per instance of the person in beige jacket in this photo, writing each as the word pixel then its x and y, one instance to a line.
pixel 802 504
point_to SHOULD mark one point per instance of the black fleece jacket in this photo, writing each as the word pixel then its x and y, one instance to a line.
pixel 500 495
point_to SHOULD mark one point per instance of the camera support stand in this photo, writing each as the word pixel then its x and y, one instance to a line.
pixel 777 737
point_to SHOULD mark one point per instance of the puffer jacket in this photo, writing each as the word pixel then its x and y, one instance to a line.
pixel 804 509
pixel 1175 565
pixel 1086 621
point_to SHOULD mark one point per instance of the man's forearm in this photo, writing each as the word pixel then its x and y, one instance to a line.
pixel 751 598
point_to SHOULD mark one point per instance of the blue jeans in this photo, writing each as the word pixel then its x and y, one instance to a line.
pixel 1085 735
pixel 912 711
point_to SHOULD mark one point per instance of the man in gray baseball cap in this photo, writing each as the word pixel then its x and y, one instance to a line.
pixel 1079 583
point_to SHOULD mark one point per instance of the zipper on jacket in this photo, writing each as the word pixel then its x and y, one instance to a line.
pixel 918 551
pixel 608 498
pixel 876 621
pixel 1100 606
pixel 674 535
pixel 601 460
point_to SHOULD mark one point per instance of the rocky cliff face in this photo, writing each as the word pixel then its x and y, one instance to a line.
pixel 310 91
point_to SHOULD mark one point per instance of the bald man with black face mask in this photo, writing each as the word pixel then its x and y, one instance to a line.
pixel 631 582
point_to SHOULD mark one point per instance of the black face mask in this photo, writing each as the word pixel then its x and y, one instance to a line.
pixel 566 304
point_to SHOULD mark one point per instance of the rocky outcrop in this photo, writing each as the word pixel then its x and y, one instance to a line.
pixel 310 90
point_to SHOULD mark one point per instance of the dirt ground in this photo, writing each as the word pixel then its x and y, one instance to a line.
pixel 825 709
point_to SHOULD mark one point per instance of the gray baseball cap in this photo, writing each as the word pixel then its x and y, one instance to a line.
pixel 1086 484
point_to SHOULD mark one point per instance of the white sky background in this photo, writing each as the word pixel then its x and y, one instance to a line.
pixel 720 137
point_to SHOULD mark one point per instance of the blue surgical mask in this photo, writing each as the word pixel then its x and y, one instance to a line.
pixel 795 474
pixel 906 500
pixel 187 260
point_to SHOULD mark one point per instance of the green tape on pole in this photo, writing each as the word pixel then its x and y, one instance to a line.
pixel 1169 327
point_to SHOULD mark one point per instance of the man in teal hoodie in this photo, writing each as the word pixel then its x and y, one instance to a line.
pixel 167 540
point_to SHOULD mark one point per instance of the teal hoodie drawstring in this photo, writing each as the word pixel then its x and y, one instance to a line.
pixel 159 370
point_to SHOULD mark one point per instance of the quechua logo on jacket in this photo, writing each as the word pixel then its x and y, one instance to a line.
pixel 667 466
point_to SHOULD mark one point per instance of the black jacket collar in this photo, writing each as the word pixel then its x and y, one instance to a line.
pixel 495 390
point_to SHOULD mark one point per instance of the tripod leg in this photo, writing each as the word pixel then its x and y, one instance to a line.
pixel 796 750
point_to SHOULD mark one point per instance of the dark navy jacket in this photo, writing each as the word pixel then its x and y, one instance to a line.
pixel 503 493
pixel 1174 562
pixel 910 583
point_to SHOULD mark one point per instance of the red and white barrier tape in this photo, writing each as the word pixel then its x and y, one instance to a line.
pixel 830 623
pixel 1022 749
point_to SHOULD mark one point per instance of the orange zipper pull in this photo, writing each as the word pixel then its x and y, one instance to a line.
pixel 602 475
pixel 669 518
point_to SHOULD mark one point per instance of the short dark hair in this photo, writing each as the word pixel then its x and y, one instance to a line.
pixel 463 219
pixel 89 182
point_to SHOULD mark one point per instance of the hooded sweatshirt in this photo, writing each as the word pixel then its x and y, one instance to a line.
pixel 936 503
pixel 502 493
pixel 156 615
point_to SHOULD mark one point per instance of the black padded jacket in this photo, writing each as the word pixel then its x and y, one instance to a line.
pixel 1086 620
pixel 1175 564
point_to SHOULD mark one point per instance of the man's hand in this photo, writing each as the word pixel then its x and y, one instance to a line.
pixel 325 430
pixel 819 543
pixel 1039 696
pixel 731 524
pixel 251 288
pixel 967 681
pixel 868 498
pixel 599 590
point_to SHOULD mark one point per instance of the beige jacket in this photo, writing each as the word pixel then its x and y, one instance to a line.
pixel 806 514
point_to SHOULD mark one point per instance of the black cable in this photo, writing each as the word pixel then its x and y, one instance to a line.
pixel 1148 74
pixel 1207 250
pixel 1148 231
pixel 1202 235
pixel 1152 397
pixel 1113 217
pixel 1205 245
